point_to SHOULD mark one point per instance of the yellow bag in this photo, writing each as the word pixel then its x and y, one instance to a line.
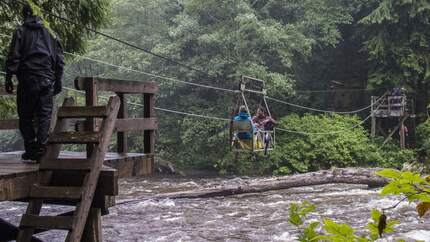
pixel 245 144
pixel 258 142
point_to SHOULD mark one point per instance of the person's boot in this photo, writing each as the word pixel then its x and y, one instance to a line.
pixel 41 151
pixel 30 152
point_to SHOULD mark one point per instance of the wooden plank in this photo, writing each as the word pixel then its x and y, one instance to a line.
pixel 82 125
pixel 16 178
pixel 136 124
pixel 17 186
pixel 47 222
pixel 106 185
pixel 35 205
pixel 74 138
pixel 90 182
pixel 57 193
pixel 82 112
pixel 149 112
pixel 122 141
pixel 4 93
pixel 9 124
pixel 93 227
pixel 14 188
pixel 118 86
pixel 66 164
pixel 91 99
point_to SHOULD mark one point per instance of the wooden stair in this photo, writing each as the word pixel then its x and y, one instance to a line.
pixel 50 163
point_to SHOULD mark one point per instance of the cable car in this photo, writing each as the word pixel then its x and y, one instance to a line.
pixel 248 134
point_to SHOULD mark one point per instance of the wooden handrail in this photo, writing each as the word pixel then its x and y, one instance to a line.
pixel 9 124
pixel 148 123
pixel 4 93
pixel 117 86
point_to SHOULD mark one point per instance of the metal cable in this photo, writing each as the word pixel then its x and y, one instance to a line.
pixel 210 87
pixel 160 109
pixel 151 74
pixel 176 62
pixel 315 109
pixel 334 132
pixel 227 120
pixel 338 90
pixel 320 110
pixel 145 73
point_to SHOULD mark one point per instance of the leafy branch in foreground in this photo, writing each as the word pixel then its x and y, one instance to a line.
pixel 336 232
pixel 412 186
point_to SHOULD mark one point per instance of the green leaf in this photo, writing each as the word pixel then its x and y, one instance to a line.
pixel 294 215
pixel 342 230
pixel 423 197
pixel 390 188
pixel 309 233
pixel 375 214
pixel 390 173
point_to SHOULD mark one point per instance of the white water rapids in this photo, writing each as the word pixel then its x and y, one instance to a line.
pixel 247 217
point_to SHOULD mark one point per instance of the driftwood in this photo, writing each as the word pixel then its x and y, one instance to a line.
pixel 364 176
pixel 346 176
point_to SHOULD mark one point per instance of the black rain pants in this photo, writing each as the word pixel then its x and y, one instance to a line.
pixel 35 103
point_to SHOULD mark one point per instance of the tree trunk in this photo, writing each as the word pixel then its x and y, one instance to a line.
pixel 346 175
pixel 364 176
pixel 421 98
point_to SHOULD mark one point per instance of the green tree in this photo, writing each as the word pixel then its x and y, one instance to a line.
pixel 398 46
pixel 223 38
pixel 86 13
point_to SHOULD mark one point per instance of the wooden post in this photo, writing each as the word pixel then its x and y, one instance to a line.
pixel 148 112
pixel 122 114
pixel 402 133
pixel 91 99
pixel 93 227
pixel 373 129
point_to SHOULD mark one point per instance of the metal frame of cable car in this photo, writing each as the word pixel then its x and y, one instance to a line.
pixel 266 137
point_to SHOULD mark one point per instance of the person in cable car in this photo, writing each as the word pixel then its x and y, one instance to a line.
pixel 241 116
pixel 244 136
pixel 263 122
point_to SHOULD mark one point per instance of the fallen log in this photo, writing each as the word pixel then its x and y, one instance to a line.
pixel 335 176
pixel 364 176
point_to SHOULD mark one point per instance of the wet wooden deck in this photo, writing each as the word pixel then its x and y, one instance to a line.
pixel 16 177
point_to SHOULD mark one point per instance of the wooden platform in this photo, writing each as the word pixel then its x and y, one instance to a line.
pixel 16 176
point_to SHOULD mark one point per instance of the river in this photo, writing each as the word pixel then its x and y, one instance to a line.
pixel 247 217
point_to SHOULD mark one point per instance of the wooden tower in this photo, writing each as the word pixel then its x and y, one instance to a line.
pixel 393 109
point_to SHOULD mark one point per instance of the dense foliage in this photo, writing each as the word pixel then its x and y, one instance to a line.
pixel 333 141
pixel 423 140
pixel 298 44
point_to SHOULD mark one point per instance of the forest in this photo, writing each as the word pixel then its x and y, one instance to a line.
pixel 324 63
pixel 327 55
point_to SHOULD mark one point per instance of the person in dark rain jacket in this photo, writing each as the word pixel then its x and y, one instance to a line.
pixel 36 58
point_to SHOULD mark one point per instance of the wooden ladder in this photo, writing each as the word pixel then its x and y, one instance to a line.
pixel 82 196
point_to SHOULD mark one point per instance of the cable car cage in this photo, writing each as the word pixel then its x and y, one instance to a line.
pixel 263 138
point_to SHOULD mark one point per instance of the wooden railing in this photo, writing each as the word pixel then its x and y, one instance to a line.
pixel 148 123
pixel 389 106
